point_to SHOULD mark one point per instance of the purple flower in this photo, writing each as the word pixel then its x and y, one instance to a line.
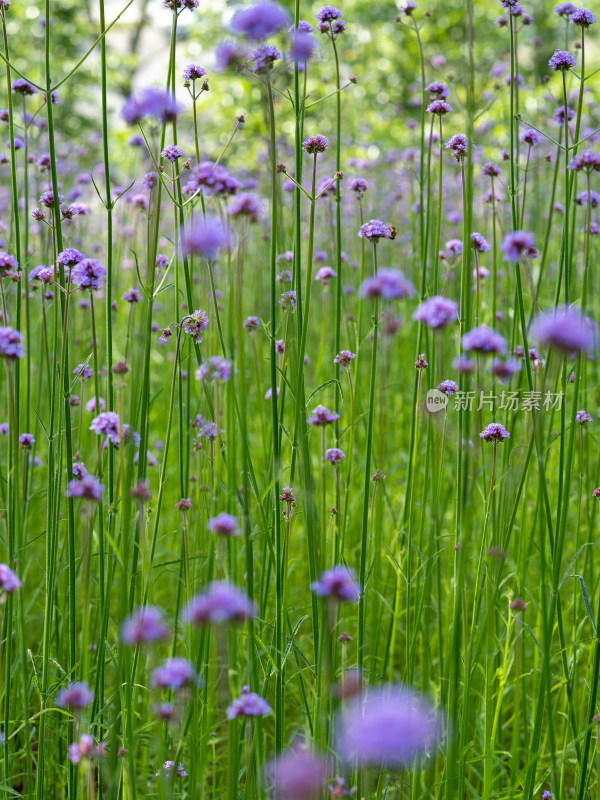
pixel 7 262
pixel 586 161
pixel 330 20
pixel 88 487
pixel 206 238
pixel 315 144
pixel 325 274
pixel 149 180
pixel 344 357
pixel 454 247
pixel 458 146
pixel 251 324
pixel 245 205
pixel 491 169
pixel 151 102
pixel 169 765
pixel 582 417
pixel 248 704
pixel 374 230
pixel 359 186
pixel 447 387
pixel 518 244
pixel 561 60
pixel 421 363
pixel 177 5
pixel 583 18
pixel 262 59
pixel 173 674
pixel 88 274
pixel 494 433
pixel 530 137
pixel 438 90
pixel 337 583
pixel 76 695
pixel 220 602
pixel 70 257
pixel 388 284
pixel 479 243
pixel 297 774
pixel 322 416
pixel 436 312
pixel 388 726
pixel 334 455
pixel 26 441
pixel 107 424
pixel 9 582
pixel 287 301
pixel 259 20
pixel 192 73
pixel 483 340
pixel 439 107
pixel 11 343
pixel 505 369
pixel 21 86
pixel 565 329
pixel 143 625
pixel 224 524
pixel 172 152
pixel 213 179
pixel 195 324
pixel 302 46
pixel 214 368
pixel 565 9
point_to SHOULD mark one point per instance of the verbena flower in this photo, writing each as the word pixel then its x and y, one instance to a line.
pixel 582 417
pixel 337 583
pixel 259 20
pixel 87 487
pixel 561 61
pixel 583 18
pixel 458 146
pixel 11 343
pixel 297 774
pixel 437 90
pixel 192 73
pixel 173 674
pixel 483 340
pixel 439 108
pixel 107 424
pixel 214 368
pixel 195 324
pixel 143 625
pixel 436 312
pixel 586 161
pixel 479 243
pixel 76 695
pixel 151 102
pixel 245 205
pixel 494 433
pixel 88 274
pixel 322 416
pixel 220 602
pixel 517 244
pixel 315 144
pixel 387 726
pixel 344 358
pixel 248 704
pixel 564 329
pixel 262 59
pixel 9 582
pixel 505 369
pixel 447 387
pixel 206 238
pixel 388 284
pixel 172 152
pixel 224 525
pixel 334 455
pixel 565 9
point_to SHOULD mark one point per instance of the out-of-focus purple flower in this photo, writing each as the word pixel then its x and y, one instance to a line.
pixel 76 695
pixel 251 324
pixel 436 312
pixel 359 186
pixel 84 748
pixel 151 102
pixel 582 417
pixel 483 340
pixel 26 441
pixel 565 9
pixel 505 369
pixel 297 774
pixel 388 284
pixel 561 60
pixel 107 424
pixel 245 205
pixel 132 296
pixel 173 674
pixel 143 625
pixel 213 179
pixel 322 416
pixel 479 243
pixel 214 368
pixel 338 583
pixel 454 247
pixel 206 238
pixel 11 343
pixel 565 329
pixel 325 274
pixel 220 602
pixel 259 20
pixel 248 704
pixel 517 244
pixel 288 301
pixel 88 487
pixel 387 726
pixel 9 582
pixel 224 525
pixel 302 46
pixel 491 169
pixel 23 87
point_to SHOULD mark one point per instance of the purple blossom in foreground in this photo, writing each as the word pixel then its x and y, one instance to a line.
pixel 11 343
pixel 259 20
pixel 9 582
pixel 315 144
pixel 220 602
pixel 436 312
pixel 248 704
pixel 143 625
pixel 494 433
pixel 582 417
pixel 388 284
pixel 173 674
pixel 374 230
pixel 262 59
pixel 337 583
pixel 297 774
pixel 206 238
pixel 583 18
pixel 107 424
pixel 479 243
pixel 561 60
pixel 88 487
pixel 88 274
pixel 439 107
pixel 172 152
pixel 565 329
pixel 387 726
pixel 224 524
pixel 76 696
pixel 518 244
pixel 344 358
pixel 458 146
pixel 322 416
pixel 483 340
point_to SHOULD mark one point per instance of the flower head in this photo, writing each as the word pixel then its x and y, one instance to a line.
pixel 151 102
pixel 518 244
pixel 458 146
pixel 220 602
pixel 436 312
pixel 248 704
pixel 262 59
pixel 206 238
pixel 315 144
pixel 583 17
pixel 11 343
pixel 388 284
pixel 173 674
pixel 224 524
pixel 195 324
pixel 172 152
pixel 297 774
pixel 322 416
pixel 561 60
pixel 479 243
pixel 439 107
pixel 447 387
pixel 334 455
pixel 374 230
pixel 9 582
pixel 259 20
pixel 88 274
pixel 337 583
pixel 86 487
pixel 143 625
pixel 494 433
pixel 344 358
pixel 214 368
pixel 483 340
pixel 564 329
pixel 76 695
pixel 107 424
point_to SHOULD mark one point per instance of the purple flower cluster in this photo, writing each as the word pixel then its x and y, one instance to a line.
pixel 151 102
pixel 248 704
pixel 322 416
pixel 9 582
pixel 388 284
pixel 143 625
pixel 565 329
pixel 214 368
pixel 436 312
pixel 261 60
pixel 494 433
pixel 561 60
pixel 259 20
pixel 107 424
pixel 220 602
pixel 337 583
pixel 88 274
pixel 11 343
pixel 483 340
pixel 315 144
pixel 195 324
pixel 224 525
pixel 173 674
